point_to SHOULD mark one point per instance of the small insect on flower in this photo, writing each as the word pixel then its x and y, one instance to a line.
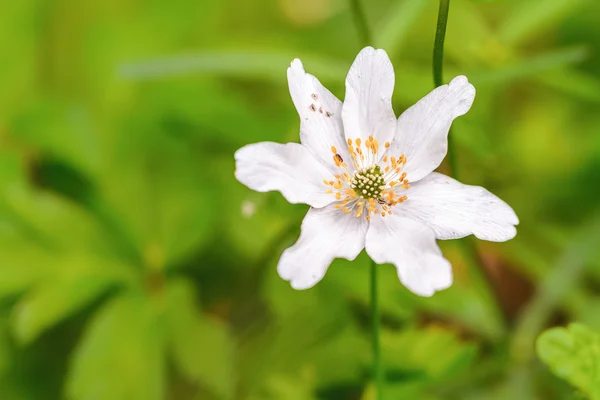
pixel 369 178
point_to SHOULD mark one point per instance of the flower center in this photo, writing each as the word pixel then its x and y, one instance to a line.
pixel 368 183
pixel 374 185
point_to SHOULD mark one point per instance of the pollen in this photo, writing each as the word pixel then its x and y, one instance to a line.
pixel 371 183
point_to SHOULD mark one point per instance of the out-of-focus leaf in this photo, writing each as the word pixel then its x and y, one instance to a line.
pixel 20 270
pixel 286 387
pixel 163 199
pixel 435 353
pixel 5 356
pixel 55 221
pixel 466 301
pixel 198 115
pixel 530 67
pixel 259 64
pixel 60 130
pixel 202 348
pixel 532 17
pixel 19 45
pixel 120 355
pixel 470 38
pixel 303 338
pixel 565 274
pixel 573 353
pixel 391 33
pixel 518 384
pixel 74 284
pixel 573 83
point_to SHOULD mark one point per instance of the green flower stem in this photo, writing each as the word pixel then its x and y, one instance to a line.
pixel 438 68
pixel 375 321
pixel 438 46
pixel 360 19
pixel 469 246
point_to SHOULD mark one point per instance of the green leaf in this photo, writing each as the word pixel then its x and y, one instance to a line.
pixel 574 83
pixel 573 353
pixel 533 17
pixel 394 30
pixel 256 64
pixel 566 273
pixel 433 352
pixel 120 356
pixel 163 200
pixel 202 348
pixel 530 66
pixel 78 282
pixel 59 130
pixel 5 356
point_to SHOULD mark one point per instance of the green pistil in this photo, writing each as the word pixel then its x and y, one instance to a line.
pixel 368 183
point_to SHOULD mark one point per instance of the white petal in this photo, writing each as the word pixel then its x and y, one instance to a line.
pixel 422 131
pixel 454 210
pixel 327 233
pixel 289 168
pixel 320 114
pixel 367 109
pixel 409 245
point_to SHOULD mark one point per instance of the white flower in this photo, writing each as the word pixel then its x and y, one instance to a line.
pixel 369 178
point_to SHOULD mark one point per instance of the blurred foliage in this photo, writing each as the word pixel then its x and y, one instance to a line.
pixel 134 266
pixel 573 354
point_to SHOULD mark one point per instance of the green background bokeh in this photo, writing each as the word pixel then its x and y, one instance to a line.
pixel 134 266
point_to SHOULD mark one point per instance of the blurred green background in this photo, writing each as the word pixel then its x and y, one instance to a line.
pixel 134 266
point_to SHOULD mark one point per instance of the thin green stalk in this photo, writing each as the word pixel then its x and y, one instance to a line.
pixel 438 46
pixel 375 322
pixel 365 36
pixel 360 18
pixel 438 69
pixel 438 63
